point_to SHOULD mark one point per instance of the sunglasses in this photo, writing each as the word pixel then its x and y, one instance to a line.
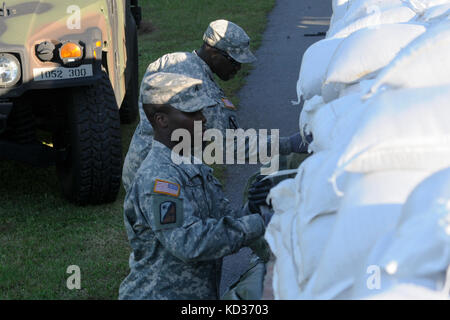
pixel 227 56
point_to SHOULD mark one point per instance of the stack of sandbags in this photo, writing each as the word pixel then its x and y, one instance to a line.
pixel 417 249
pixel 360 56
pixel 377 100
pixel 370 13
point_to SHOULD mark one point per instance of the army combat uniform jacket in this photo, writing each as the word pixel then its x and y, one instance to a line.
pixel 180 225
pixel 222 116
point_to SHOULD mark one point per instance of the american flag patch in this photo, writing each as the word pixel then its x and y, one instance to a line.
pixel 166 187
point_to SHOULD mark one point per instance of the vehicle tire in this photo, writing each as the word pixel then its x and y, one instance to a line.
pixel 129 109
pixel 91 169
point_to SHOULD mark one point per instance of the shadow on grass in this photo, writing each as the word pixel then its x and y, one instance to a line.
pixel 19 181
pixel 146 27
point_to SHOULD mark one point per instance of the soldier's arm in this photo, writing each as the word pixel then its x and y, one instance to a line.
pixel 251 146
pixel 191 238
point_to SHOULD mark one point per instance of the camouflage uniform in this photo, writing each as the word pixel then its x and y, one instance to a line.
pixel 222 35
pixel 180 225
pixel 182 260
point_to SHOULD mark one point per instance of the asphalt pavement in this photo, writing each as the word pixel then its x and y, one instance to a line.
pixel 265 99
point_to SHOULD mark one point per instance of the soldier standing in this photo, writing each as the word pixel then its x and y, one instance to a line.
pixel 226 46
pixel 178 221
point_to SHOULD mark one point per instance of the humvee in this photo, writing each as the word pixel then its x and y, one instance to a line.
pixel 68 78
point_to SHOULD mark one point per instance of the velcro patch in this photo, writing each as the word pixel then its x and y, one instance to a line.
pixel 166 187
pixel 228 104
pixel 167 211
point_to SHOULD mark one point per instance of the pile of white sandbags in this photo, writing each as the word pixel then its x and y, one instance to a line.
pixel 368 213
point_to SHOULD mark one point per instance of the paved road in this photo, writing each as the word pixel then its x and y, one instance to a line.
pixel 265 99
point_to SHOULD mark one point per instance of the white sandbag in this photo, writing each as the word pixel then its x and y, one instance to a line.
pixel 284 273
pixel 375 18
pixel 278 235
pixel 309 109
pixel 371 206
pixel 332 124
pixel 336 90
pixel 410 292
pixel 317 195
pixel 311 239
pixel 332 92
pixel 401 129
pixel 359 88
pixel 432 3
pixel 285 232
pixel 360 8
pixel 314 67
pixel 424 62
pixel 421 6
pixel 368 50
pixel 418 249
pixel 339 8
pixel 323 121
pixel 317 119
pixel 284 196
pixel 436 12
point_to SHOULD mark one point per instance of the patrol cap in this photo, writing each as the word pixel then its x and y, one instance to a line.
pixel 229 37
pixel 181 92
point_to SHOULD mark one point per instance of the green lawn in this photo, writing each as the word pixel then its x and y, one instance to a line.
pixel 41 234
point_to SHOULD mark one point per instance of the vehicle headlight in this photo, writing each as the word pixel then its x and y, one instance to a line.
pixel 9 70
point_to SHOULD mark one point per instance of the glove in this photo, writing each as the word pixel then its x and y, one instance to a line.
pixel 297 143
pixel 261 249
pixel 258 193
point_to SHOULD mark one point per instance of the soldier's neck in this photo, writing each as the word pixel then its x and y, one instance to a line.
pixel 202 54
pixel 171 144
pixel 164 140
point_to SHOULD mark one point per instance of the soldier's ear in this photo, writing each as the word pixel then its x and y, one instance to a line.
pixel 161 120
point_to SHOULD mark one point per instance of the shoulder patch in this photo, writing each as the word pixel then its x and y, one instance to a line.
pixel 168 212
pixel 228 104
pixel 166 187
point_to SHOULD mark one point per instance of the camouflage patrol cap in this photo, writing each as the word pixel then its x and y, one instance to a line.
pixel 181 92
pixel 229 37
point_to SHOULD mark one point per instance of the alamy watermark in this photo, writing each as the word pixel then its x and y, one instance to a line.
pixel 74 20
pixel 240 145
pixel 74 280
pixel 373 281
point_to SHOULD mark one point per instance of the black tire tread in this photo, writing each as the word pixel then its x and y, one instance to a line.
pixel 97 169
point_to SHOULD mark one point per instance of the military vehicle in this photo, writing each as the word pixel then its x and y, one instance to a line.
pixel 68 78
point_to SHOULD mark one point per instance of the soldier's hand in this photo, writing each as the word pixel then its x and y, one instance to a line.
pixel 261 249
pixel 297 143
pixel 258 193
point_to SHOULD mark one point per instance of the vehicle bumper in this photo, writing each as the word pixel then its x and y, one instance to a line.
pixel 5 109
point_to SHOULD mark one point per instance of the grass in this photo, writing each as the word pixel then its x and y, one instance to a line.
pixel 41 234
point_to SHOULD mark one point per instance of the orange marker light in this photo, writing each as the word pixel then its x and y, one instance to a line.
pixel 70 50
